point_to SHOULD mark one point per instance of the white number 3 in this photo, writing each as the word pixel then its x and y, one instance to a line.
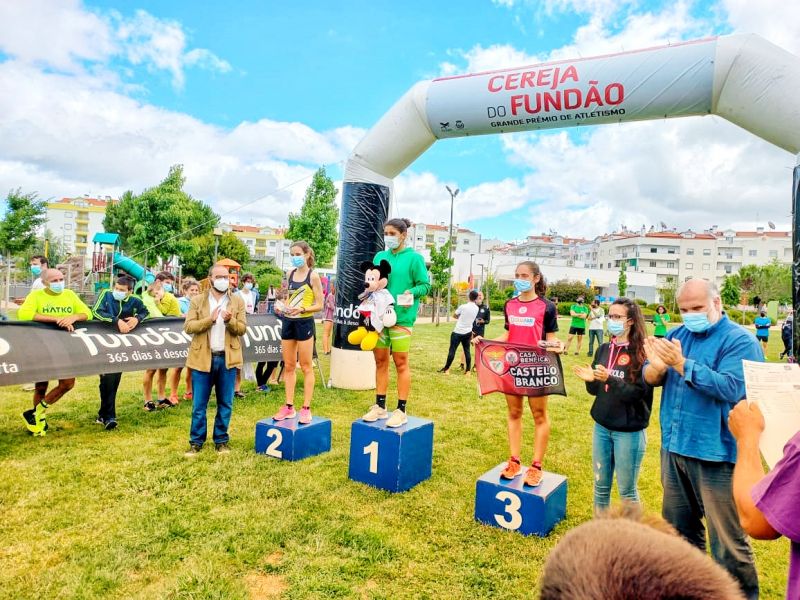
pixel 513 504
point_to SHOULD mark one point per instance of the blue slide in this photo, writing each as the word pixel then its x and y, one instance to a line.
pixel 132 268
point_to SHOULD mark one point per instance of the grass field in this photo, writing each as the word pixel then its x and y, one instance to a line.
pixel 122 514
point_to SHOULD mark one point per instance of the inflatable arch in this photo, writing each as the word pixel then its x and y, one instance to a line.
pixel 743 78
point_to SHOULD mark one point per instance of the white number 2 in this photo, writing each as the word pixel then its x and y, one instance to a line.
pixel 513 504
pixel 272 449
pixel 372 450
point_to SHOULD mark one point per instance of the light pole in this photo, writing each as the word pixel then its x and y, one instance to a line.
pixel 453 195
pixel 217 235
pixel 483 284
pixel 469 277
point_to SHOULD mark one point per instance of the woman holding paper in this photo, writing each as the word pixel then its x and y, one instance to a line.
pixel 622 405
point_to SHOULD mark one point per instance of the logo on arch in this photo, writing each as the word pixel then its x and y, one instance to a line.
pixel 5 347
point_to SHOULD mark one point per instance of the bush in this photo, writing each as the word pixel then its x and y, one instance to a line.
pixel 735 315
pixel 564 308
pixel 640 302
pixel 497 304
pixel 568 292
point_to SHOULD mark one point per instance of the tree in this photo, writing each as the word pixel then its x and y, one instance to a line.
pixel 440 275
pixel 622 281
pixel 199 257
pixel 161 221
pixel 669 294
pixel 318 218
pixel 568 291
pixel 25 214
pixel 267 274
pixel 772 281
pixel 730 292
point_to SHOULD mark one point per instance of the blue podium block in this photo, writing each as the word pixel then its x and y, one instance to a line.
pixel 289 440
pixel 393 459
pixel 515 506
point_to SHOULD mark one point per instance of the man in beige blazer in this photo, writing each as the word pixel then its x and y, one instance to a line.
pixel 216 320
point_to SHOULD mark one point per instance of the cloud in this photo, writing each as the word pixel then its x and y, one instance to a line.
pixel 71 39
pixel 73 134
pixel 775 20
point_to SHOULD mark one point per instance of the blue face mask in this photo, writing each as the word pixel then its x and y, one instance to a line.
pixel 36 270
pixel 522 285
pixel 168 287
pixel 391 241
pixel 616 328
pixel 298 261
pixel 696 322
pixel 57 287
pixel 248 286
pixel 119 296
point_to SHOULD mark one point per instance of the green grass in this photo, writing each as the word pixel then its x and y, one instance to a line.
pixel 122 514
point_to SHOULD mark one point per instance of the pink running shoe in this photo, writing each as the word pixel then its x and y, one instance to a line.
pixel 286 412
pixel 305 416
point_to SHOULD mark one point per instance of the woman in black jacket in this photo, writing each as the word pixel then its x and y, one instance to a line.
pixel 622 404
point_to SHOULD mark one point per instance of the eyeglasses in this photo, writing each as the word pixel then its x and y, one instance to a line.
pixel 618 317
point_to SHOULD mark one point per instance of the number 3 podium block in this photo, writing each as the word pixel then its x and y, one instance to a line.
pixel 393 459
pixel 518 507
pixel 289 440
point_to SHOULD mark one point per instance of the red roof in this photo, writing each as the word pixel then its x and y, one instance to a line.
pixel 773 234
pixel 88 201
pixel 245 228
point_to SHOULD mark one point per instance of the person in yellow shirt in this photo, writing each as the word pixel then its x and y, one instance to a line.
pixel 53 304
pixel 160 303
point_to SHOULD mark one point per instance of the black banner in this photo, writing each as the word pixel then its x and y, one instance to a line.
pixel 364 210
pixel 32 351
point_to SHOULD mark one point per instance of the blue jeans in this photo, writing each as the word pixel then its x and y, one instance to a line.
pixel 620 450
pixel 595 335
pixel 694 489
pixel 222 380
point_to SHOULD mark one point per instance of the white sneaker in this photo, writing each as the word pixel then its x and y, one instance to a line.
pixel 397 419
pixel 374 413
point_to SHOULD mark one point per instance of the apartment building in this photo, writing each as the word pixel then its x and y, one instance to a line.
pixel 264 243
pixel 677 256
pixel 76 220
pixel 422 236
pixel 551 249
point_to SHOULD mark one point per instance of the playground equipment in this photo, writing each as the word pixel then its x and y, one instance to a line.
pixel 106 257
pixel 742 78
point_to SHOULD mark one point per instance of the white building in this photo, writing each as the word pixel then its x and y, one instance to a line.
pixel 422 236
pixel 76 220
pixel 264 243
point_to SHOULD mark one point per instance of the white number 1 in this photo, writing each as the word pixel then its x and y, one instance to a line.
pixel 272 449
pixel 513 504
pixel 372 450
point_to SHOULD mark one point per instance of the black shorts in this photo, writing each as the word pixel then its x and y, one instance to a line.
pixel 762 338
pixel 297 329
pixel 577 330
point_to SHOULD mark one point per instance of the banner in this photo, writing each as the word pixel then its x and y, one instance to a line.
pixel 31 351
pixel 672 81
pixel 518 370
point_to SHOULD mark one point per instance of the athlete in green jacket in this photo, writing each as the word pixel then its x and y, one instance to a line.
pixel 408 282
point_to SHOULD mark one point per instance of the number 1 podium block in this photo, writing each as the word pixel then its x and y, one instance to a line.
pixel 515 506
pixel 393 459
pixel 289 440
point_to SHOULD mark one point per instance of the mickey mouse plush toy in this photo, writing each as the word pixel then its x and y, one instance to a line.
pixel 376 310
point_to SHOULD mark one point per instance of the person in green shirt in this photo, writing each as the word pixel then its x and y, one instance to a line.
pixel 408 282
pixel 52 304
pixel 579 312
pixel 660 320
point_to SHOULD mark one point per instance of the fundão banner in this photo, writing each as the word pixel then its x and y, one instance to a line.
pixel 32 351
pixel 518 370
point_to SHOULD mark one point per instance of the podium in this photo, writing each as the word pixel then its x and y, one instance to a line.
pixel 289 440
pixel 512 505
pixel 392 459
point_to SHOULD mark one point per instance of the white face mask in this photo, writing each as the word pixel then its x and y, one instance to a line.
pixel 221 285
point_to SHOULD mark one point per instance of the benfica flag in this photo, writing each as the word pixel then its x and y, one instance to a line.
pixel 519 370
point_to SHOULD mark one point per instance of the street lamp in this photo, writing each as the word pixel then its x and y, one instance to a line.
pixel 453 195
pixel 469 277
pixel 217 235
pixel 483 284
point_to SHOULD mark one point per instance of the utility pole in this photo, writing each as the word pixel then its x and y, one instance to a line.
pixel 453 195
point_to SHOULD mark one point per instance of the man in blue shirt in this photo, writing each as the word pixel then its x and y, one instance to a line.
pixel 700 366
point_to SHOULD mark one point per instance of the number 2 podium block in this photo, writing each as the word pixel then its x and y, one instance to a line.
pixel 289 440
pixel 393 459
pixel 518 507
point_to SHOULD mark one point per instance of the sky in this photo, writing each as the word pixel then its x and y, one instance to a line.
pixel 100 97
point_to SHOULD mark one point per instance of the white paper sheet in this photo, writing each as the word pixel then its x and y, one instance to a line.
pixel 776 389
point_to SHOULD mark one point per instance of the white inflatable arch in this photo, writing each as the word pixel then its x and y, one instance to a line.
pixel 742 78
